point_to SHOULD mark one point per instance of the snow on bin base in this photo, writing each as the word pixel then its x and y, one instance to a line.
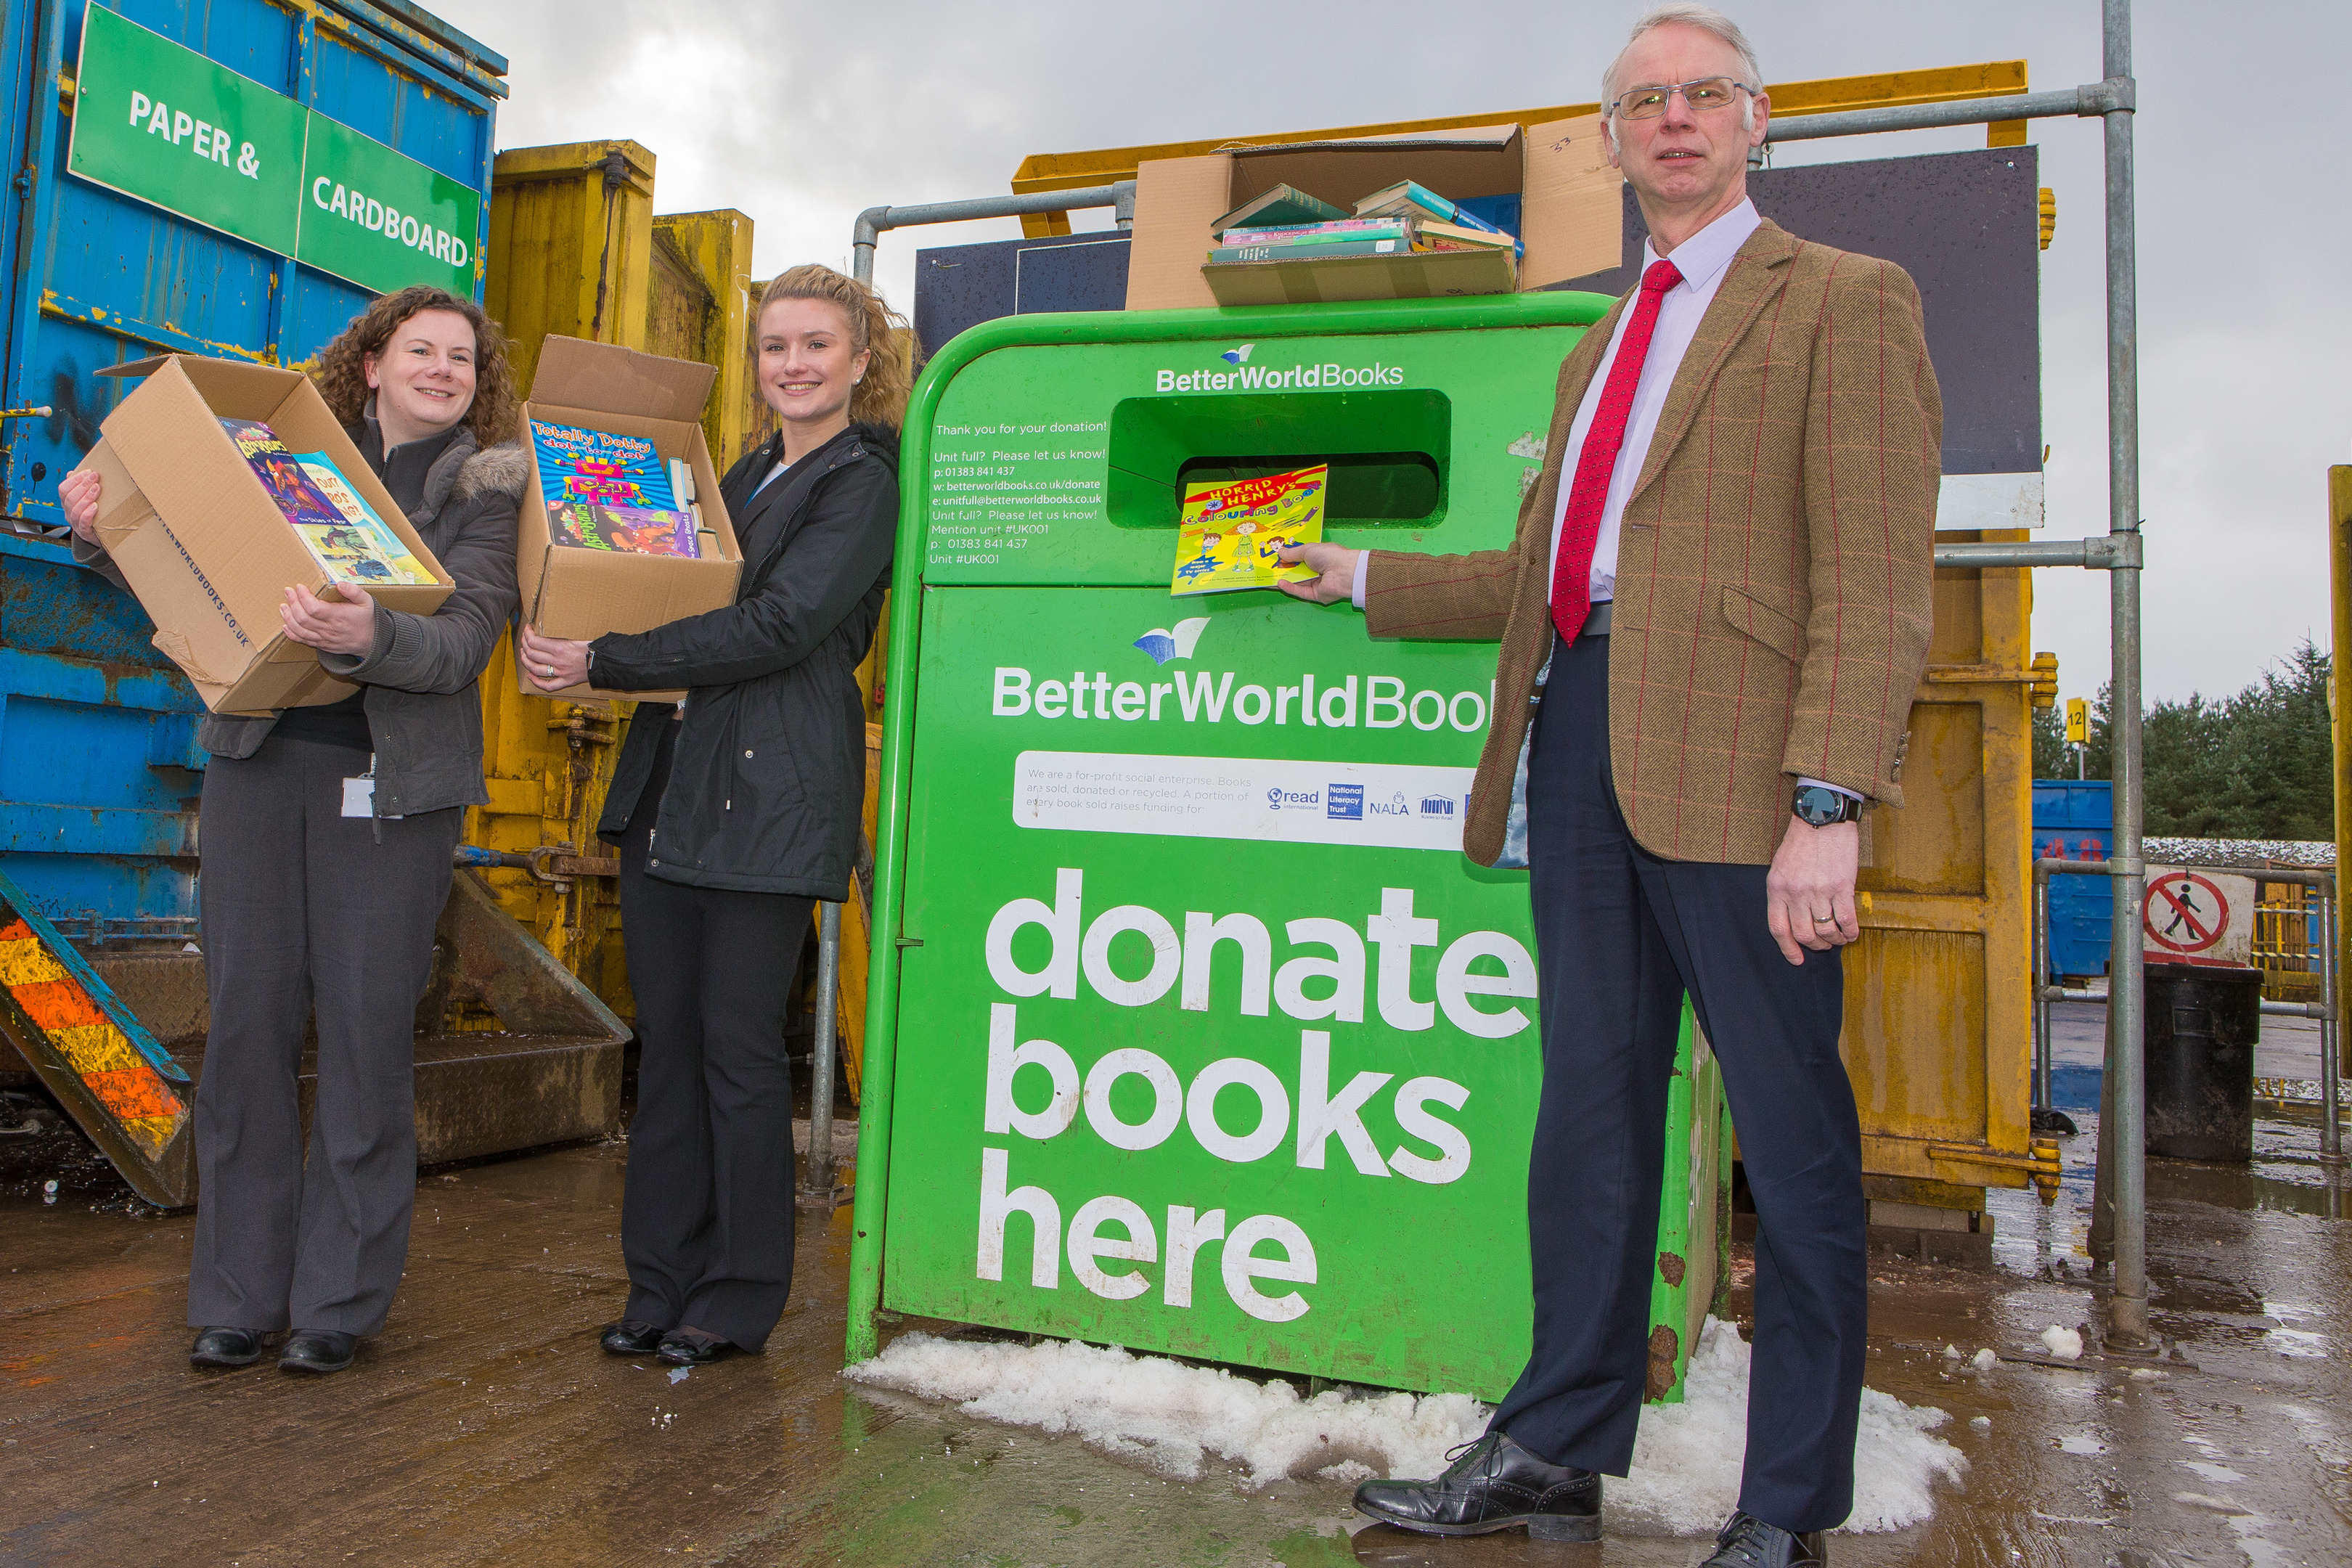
pixel 1170 1415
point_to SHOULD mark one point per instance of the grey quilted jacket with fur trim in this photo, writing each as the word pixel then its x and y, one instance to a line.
pixel 424 710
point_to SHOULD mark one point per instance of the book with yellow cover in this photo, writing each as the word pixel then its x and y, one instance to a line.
pixel 1230 533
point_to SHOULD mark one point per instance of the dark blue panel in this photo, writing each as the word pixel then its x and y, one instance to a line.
pixel 53 606
pixel 1967 226
pixel 251 38
pixel 319 307
pixel 957 287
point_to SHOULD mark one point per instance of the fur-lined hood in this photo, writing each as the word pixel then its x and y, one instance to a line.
pixel 505 469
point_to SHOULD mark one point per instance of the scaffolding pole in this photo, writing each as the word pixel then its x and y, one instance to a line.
pixel 2111 100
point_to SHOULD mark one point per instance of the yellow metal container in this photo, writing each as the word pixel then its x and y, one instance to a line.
pixel 1938 1020
pixel 575 250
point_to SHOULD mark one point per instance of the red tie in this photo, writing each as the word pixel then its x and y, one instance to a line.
pixel 1571 569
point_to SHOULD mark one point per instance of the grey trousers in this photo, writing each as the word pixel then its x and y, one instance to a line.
pixel 307 911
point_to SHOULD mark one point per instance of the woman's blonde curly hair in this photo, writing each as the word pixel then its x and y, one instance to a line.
pixel 340 371
pixel 881 397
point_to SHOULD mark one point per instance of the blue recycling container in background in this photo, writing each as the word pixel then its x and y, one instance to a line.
pixel 98 767
pixel 2073 819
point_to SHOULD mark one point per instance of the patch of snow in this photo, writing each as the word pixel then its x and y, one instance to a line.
pixel 2067 1345
pixel 1685 1473
pixel 1171 1418
pixel 1982 1361
pixel 1980 1424
pixel 1168 1415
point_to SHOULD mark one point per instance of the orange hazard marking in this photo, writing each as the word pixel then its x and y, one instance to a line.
pixel 57 1004
pixel 133 1095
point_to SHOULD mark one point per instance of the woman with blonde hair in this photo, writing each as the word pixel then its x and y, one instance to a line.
pixel 737 809
pixel 326 858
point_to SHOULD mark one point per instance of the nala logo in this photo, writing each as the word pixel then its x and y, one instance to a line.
pixel 1164 643
pixel 1238 356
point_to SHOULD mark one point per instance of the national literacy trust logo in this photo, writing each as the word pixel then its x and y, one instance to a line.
pixel 1164 643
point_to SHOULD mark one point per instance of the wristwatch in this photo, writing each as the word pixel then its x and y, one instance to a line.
pixel 1820 807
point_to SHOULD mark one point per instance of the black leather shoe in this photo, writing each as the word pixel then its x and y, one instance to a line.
pixel 226 1347
pixel 1493 1485
pixel 685 1347
pixel 630 1336
pixel 319 1350
pixel 1748 1542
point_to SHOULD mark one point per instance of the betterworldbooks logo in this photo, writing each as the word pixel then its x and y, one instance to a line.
pixel 1244 376
pixel 1164 643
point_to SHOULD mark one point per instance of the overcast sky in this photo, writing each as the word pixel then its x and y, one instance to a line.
pixel 802 115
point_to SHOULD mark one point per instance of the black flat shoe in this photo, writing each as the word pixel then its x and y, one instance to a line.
pixel 630 1336
pixel 685 1347
pixel 1748 1542
pixel 227 1347
pixel 319 1350
pixel 1494 1484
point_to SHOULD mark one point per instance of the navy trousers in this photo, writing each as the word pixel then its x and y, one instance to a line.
pixel 1621 936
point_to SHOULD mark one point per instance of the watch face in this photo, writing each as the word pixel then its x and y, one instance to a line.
pixel 1819 807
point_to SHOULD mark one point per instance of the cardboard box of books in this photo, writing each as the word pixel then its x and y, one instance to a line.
pixel 622 527
pixel 1479 210
pixel 224 483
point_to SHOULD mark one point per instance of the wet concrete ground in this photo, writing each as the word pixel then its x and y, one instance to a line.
pixel 484 1426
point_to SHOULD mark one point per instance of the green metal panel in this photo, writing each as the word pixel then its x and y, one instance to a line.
pixel 1214 1043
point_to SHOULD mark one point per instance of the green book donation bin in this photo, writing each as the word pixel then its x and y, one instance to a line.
pixel 1190 1028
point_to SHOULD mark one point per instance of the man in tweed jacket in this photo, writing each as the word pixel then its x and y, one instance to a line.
pixel 1713 618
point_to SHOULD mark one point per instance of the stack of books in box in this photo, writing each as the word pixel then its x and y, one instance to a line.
pixel 1286 225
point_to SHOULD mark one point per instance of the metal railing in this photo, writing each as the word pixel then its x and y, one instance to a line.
pixel 2321 883
pixel 1119 196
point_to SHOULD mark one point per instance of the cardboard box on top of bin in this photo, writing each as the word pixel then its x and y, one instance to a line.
pixel 1570 215
pixel 206 550
pixel 580 593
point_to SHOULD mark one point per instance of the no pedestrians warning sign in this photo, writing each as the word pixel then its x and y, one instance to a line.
pixel 2199 917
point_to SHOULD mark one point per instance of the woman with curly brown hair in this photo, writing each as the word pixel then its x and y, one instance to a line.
pixel 736 810
pixel 326 834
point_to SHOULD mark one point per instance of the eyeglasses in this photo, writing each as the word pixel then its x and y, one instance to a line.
pixel 1707 92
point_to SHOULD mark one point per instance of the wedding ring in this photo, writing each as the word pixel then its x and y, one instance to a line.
pixel 548 670
pixel 1818 919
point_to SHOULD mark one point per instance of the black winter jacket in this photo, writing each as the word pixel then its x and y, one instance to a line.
pixel 769 775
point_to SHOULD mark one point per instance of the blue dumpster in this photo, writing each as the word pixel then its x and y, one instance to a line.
pixel 98 767
pixel 2073 819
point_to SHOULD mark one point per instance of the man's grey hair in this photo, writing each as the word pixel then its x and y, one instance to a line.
pixel 1707 19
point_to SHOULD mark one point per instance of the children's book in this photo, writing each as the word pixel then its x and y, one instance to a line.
pixel 592 525
pixel 1282 204
pixel 1230 533
pixel 1462 237
pixel 1411 198
pixel 1317 233
pixel 350 543
pixel 1328 251
pixel 600 467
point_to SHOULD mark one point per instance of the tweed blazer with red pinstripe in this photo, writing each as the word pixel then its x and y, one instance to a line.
pixel 1774 566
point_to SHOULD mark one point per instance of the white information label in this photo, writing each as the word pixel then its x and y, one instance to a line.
pixel 1259 799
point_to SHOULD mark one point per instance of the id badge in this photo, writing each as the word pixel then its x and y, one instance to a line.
pixel 359 796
